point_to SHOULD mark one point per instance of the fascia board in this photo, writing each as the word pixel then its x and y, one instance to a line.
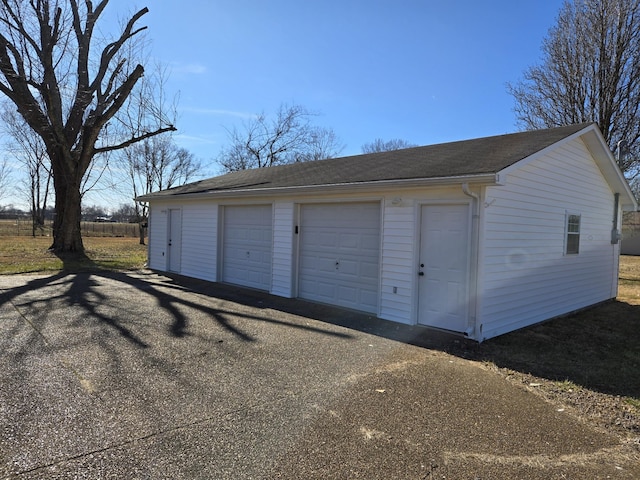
pixel 488 179
pixel 610 170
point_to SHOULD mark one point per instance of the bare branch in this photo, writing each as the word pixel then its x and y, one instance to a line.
pixel 590 72
pixel 288 137
pixel 68 92
pixel 110 50
pixel 135 139
pixel 379 145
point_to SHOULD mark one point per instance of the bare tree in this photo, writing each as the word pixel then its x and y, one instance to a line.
pixel 67 91
pixel 156 163
pixel 590 72
pixel 379 145
pixel 322 143
pixel 4 177
pixel 28 149
pixel 286 138
pixel 125 213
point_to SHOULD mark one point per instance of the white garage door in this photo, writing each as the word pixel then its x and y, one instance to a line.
pixel 339 254
pixel 247 239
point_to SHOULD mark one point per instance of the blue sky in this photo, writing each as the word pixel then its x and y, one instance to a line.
pixel 423 71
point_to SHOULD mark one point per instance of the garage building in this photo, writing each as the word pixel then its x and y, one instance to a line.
pixel 479 237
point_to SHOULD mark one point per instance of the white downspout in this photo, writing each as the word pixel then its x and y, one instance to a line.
pixel 615 243
pixel 474 331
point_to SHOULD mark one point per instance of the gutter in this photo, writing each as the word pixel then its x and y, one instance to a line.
pixel 490 178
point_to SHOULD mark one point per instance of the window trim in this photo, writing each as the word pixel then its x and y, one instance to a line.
pixel 569 233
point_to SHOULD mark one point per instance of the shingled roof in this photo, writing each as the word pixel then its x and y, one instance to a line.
pixel 479 156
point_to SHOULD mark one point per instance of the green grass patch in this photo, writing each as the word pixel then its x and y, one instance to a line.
pixel 567 386
pixel 634 402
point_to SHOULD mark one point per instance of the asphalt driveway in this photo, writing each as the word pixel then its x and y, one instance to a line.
pixel 150 377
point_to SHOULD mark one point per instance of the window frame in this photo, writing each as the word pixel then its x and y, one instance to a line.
pixel 572 233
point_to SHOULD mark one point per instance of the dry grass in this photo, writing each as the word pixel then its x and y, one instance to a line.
pixel 629 283
pixel 29 254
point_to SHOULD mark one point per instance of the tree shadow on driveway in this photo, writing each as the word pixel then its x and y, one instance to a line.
pixel 598 348
pixel 84 291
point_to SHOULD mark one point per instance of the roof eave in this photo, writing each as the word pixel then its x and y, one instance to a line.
pixel 602 155
pixel 610 169
pixel 484 178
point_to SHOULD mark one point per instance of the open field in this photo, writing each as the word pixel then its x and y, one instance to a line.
pixel 629 284
pixel 23 227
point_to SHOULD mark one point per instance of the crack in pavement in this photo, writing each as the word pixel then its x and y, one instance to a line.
pixel 142 438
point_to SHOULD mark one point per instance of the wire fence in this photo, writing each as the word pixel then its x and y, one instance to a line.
pixel 21 226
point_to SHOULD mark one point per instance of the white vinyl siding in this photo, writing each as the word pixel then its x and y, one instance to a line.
pixel 199 240
pixel 398 265
pixel 527 277
pixel 283 249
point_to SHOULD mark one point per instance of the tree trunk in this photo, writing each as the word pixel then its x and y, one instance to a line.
pixel 34 211
pixel 67 237
pixel 141 229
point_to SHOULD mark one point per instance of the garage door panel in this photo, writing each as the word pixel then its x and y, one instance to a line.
pixel 322 291
pixel 323 240
pixel 369 297
pixel 339 254
pixel 349 240
pixel 247 246
pixel 369 270
pixel 350 268
pixel 370 243
pixel 317 263
pixel 348 294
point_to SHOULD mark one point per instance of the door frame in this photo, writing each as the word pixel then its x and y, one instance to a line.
pixel 416 255
pixel 171 253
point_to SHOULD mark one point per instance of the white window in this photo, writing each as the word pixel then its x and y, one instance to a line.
pixel 572 238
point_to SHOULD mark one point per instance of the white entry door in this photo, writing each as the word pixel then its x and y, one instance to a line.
pixel 174 241
pixel 247 246
pixel 339 253
pixel 443 270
